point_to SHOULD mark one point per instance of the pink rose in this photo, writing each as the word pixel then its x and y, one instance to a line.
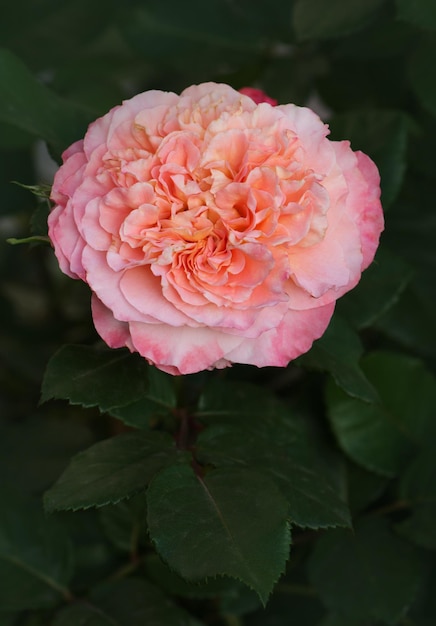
pixel 257 95
pixel 213 230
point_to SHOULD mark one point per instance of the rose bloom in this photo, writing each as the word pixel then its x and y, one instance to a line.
pixel 211 229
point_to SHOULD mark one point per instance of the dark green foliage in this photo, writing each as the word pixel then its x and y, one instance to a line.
pixel 193 486
pixel 339 351
pixel 383 436
pixel 131 602
pixel 366 573
pixel 313 19
pixel 421 12
pixel 35 556
pixel 379 289
pixel 49 117
pixel 280 445
pixel 382 134
pixel 417 489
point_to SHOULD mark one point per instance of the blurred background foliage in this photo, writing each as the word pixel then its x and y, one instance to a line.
pixel 367 388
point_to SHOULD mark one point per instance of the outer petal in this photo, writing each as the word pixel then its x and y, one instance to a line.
pixel 67 242
pixel 116 334
pixel 355 220
pixel 69 176
pixel 371 221
pixel 189 350
pixel 291 338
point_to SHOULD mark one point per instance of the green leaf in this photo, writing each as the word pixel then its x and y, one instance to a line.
pixel 419 76
pixel 93 554
pixel 272 18
pixel 411 321
pixel 368 573
pixel 12 139
pixel 339 351
pixel 35 29
pixel 382 437
pixel 40 191
pixel 32 107
pixel 411 235
pixel 158 402
pixel 422 13
pixel 407 390
pixel 229 400
pixel 412 225
pixel 234 596
pixel 313 19
pixel 127 602
pixel 229 522
pixel 118 382
pixel 378 290
pixel 250 428
pixel 103 378
pixel 112 470
pixel 170 582
pixel 367 434
pixel 124 523
pixel 384 39
pixel 364 487
pixel 35 557
pixel 418 488
pixel 306 472
pixel 175 36
pixel 382 134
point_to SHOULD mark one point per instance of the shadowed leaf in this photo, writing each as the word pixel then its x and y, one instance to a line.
pixel 231 522
pixel 112 470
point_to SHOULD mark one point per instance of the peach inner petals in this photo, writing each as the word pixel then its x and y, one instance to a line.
pixel 209 211
pixel 215 212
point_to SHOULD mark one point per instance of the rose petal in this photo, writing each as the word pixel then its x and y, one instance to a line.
pixel 116 334
pixel 189 350
pixel 288 340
